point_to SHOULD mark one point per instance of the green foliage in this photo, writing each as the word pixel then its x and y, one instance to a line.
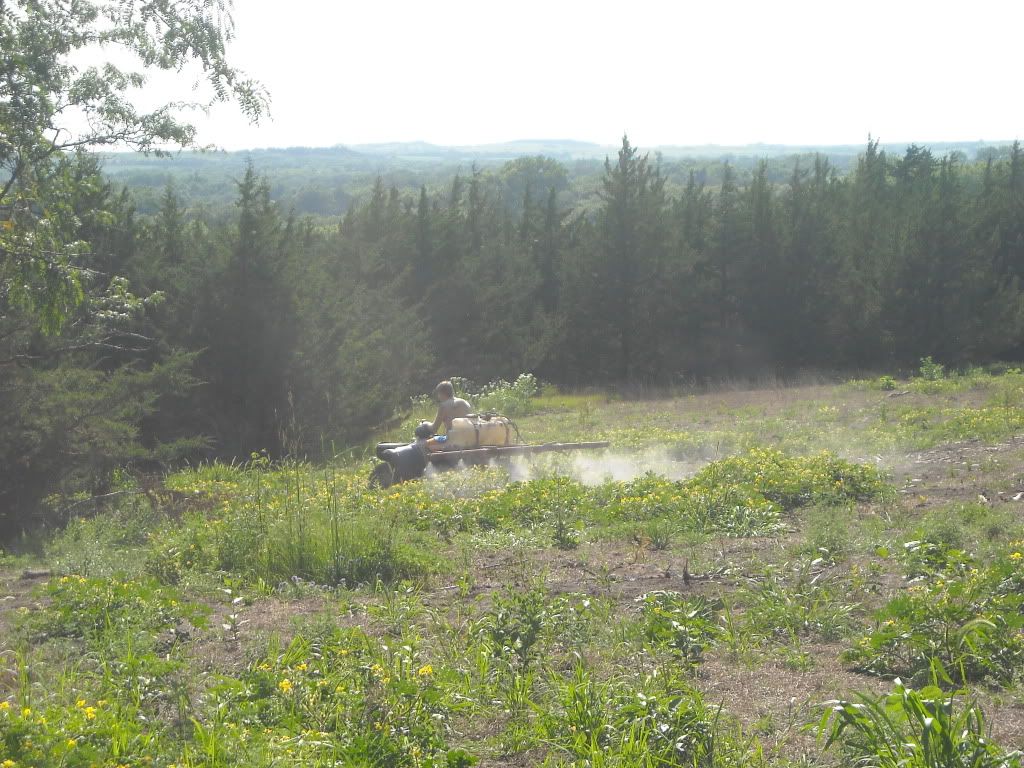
pixel 803 606
pixel 515 399
pixel 931 370
pixel 41 252
pixel 435 622
pixel 293 523
pixel 274 523
pixel 910 728
pixel 77 733
pixel 795 481
pixel 312 331
pixel 101 609
pixel 624 722
pixel 78 373
pixel 515 624
pixel 687 625
pixel 360 699
pixel 927 426
pixel 968 618
pixel 566 534
pixel 68 428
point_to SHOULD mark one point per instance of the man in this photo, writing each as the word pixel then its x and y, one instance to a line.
pixel 448 407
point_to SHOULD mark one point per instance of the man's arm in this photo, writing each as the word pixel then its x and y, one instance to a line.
pixel 438 420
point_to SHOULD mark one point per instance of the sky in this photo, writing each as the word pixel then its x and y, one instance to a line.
pixel 667 73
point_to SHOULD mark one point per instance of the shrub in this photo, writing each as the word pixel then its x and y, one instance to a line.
pixel 931 370
pixel 509 399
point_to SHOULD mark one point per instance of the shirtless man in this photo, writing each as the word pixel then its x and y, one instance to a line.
pixel 448 407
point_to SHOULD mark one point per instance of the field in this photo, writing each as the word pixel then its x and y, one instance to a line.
pixel 819 575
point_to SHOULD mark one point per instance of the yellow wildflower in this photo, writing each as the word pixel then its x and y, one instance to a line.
pixel 5 705
pixel 285 685
pixel 1016 555
pixel 72 743
pixel 425 671
pixel 8 763
pixel 80 703
pixel 90 713
pixel 302 667
pixel 26 711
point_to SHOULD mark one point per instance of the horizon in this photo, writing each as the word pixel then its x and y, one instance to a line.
pixel 795 147
pixel 739 73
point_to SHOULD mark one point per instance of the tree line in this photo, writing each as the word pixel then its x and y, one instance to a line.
pixel 220 335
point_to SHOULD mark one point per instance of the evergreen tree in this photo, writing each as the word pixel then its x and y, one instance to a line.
pixel 631 222
pixel 720 272
pixel 547 250
pixel 806 331
pixel 423 273
pixel 868 259
pixel 251 330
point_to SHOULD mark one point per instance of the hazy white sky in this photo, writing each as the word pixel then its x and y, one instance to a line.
pixel 684 72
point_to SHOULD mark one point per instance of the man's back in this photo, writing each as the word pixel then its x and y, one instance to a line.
pixel 452 408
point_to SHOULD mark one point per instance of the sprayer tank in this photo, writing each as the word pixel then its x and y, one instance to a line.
pixel 479 432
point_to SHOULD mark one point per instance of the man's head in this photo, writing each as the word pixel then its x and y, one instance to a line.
pixel 444 391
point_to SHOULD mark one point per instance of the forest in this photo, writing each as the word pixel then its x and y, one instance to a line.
pixel 218 334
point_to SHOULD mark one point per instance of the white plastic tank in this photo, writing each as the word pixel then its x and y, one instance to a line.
pixel 478 432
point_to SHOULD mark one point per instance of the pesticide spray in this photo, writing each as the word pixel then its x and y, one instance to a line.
pixel 587 469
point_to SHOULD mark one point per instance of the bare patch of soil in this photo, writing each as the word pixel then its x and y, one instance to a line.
pixel 964 471
pixel 776 701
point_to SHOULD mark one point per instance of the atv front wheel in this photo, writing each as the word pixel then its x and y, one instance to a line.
pixel 382 476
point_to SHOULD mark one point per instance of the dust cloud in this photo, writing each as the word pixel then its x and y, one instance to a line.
pixel 595 468
pixel 588 468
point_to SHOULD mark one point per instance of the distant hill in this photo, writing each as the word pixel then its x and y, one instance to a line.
pixel 559 149
pixel 324 180
pixel 567 149
pixel 969 148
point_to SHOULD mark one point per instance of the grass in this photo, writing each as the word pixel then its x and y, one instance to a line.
pixel 288 614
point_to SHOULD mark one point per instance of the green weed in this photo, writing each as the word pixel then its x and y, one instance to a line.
pixel 805 605
pixel 687 625
pixel 103 609
pixel 909 728
pixel 971 620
